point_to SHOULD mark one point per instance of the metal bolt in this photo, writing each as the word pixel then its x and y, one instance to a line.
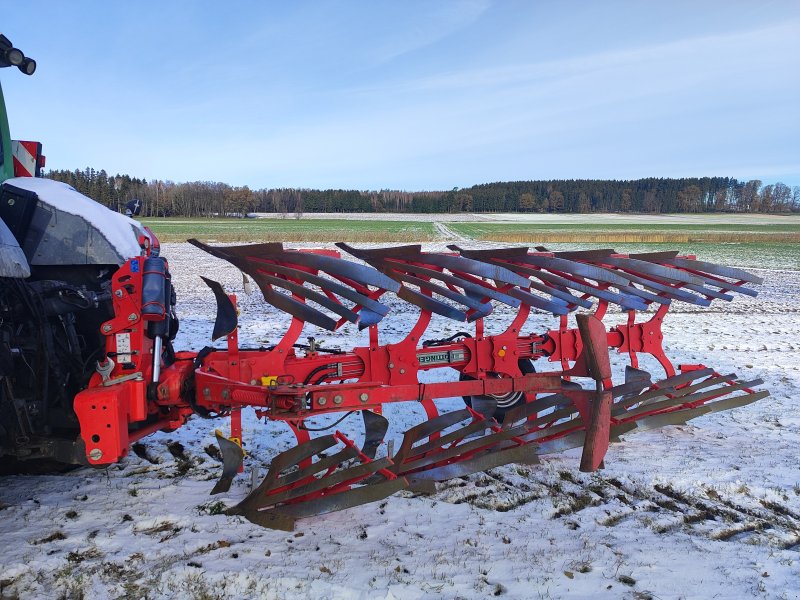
pixel 252 382
pixel 96 454
pixel 118 293
pixel 106 328
pixel 322 401
pixel 226 394
pixel 11 202
pixel 402 371
pixel 337 399
pixel 206 392
pixel 133 317
pixel 364 397
pixel 391 365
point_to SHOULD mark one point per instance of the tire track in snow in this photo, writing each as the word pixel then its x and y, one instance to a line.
pixel 449 234
pixel 662 507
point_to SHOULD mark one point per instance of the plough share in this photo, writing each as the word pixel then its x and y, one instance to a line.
pixel 513 411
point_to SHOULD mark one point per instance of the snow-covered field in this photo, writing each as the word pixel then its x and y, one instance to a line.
pixel 553 218
pixel 707 510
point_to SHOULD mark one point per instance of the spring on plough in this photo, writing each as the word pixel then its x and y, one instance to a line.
pixel 513 413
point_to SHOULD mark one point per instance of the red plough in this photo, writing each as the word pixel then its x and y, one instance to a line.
pixel 514 412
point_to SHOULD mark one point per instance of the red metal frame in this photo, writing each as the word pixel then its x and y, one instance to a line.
pixel 279 382
pixel 126 407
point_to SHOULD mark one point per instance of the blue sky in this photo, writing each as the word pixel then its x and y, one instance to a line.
pixel 410 95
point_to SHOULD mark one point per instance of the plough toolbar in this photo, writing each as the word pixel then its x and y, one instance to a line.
pixel 526 393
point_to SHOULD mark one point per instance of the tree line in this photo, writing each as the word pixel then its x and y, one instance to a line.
pixel 651 195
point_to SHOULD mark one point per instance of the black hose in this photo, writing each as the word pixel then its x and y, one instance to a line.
pixel 319 380
pixel 332 425
pixel 443 341
pixel 319 369
pixel 319 349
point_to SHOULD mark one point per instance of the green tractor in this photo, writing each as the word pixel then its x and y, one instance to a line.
pixel 58 253
pixel 12 260
pixel 13 57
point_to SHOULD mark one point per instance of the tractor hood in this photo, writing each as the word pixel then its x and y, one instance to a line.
pixel 56 225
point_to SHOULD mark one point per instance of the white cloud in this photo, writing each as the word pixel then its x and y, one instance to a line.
pixel 436 22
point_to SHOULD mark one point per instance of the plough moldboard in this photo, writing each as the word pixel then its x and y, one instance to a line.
pixel 514 412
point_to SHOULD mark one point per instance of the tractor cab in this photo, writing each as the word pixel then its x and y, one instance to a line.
pixel 30 206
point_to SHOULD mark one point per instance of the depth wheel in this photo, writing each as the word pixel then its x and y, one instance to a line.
pixel 505 402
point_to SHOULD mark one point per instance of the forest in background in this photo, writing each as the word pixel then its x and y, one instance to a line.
pixel 651 195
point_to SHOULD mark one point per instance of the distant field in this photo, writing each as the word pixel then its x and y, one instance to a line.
pixel 631 232
pixel 767 255
pixel 290 230
pixel 760 245
pixel 753 245
pixel 597 219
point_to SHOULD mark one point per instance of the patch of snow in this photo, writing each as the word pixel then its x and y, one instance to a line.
pixel 709 509
pixel 555 218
